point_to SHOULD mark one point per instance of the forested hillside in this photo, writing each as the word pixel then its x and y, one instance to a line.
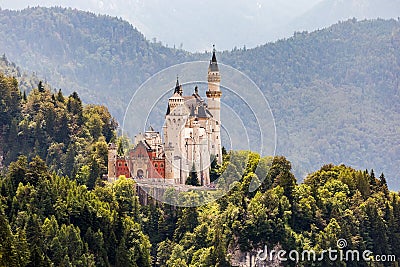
pixel 102 58
pixel 25 80
pixel 334 92
pixel 48 220
pixel 70 137
pixel 327 12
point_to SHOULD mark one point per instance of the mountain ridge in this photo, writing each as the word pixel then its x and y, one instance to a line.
pixel 328 12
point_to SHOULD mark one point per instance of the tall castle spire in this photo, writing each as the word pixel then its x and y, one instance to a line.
pixel 214 58
pixel 178 87
pixel 214 105
pixel 213 62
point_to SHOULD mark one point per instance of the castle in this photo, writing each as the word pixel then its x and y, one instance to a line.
pixel 192 139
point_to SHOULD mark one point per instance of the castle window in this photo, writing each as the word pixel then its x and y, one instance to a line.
pixel 155 165
pixel 216 122
pixel 162 165
pixel 217 136
pixel 119 164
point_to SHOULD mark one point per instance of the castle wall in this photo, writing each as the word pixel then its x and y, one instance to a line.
pixel 112 160
pixel 122 168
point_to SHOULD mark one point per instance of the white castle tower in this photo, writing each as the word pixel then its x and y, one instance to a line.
pixel 175 121
pixel 214 106
pixel 192 135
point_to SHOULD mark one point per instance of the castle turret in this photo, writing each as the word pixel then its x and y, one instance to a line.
pixel 214 105
pixel 176 100
pixel 175 121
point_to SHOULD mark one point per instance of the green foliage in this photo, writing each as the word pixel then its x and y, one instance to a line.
pixel 215 169
pixel 52 220
pixel 123 144
pixel 63 131
pixel 186 223
pixel 10 245
pixel 280 173
pixel 334 202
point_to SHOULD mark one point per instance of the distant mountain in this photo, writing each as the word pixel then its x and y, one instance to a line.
pixel 80 51
pixel 194 24
pixel 328 12
pixel 230 24
pixel 334 92
pixel 26 81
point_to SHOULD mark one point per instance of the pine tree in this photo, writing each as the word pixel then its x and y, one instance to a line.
pixel 280 173
pixel 94 173
pixel 122 255
pixel 35 240
pixel 7 253
pixel 40 87
pixel 193 179
pixel 186 222
pixel 372 179
pixel 60 97
pixel 214 170
pixel 383 184
pixel 69 162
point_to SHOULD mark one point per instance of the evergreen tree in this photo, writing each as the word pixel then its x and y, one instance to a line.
pixel 35 240
pixel 280 173
pixel 8 255
pixel 69 162
pixel 193 179
pixel 186 222
pixel 383 184
pixel 60 96
pixel 372 179
pixel 122 255
pixel 94 173
pixel 75 108
pixel 41 87
pixel 214 169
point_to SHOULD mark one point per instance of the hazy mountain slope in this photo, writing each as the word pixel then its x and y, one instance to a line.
pixel 83 52
pixel 227 23
pixel 26 81
pixel 334 92
pixel 328 12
